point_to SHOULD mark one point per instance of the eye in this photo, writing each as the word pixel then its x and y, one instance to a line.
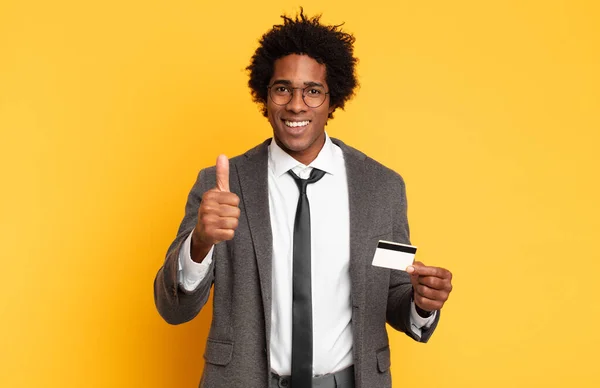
pixel 281 89
pixel 313 92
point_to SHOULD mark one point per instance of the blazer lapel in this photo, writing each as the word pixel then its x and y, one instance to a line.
pixel 253 177
pixel 254 184
pixel 358 196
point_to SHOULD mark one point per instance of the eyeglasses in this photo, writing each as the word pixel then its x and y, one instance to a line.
pixel 313 96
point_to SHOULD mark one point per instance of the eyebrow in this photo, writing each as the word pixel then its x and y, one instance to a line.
pixel 288 82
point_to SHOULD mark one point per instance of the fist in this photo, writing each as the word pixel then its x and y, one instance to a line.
pixel 431 285
pixel 219 212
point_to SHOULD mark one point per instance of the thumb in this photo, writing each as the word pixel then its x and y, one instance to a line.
pixel 222 173
pixel 413 272
pixel 413 269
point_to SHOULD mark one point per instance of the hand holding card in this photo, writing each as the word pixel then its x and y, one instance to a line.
pixel 431 285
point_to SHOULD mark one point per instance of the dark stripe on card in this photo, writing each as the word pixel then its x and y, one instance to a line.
pixel 397 248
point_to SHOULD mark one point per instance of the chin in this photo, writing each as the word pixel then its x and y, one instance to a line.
pixel 294 145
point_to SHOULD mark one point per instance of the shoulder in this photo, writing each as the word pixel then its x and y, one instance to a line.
pixel 253 155
pixel 375 170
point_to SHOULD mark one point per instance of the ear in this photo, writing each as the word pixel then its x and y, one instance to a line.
pixel 331 109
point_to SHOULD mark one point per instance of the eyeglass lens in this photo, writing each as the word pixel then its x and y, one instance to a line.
pixel 313 96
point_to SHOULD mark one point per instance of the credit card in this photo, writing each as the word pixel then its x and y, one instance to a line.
pixel 394 255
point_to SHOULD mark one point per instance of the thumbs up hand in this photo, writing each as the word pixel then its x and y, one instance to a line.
pixel 218 214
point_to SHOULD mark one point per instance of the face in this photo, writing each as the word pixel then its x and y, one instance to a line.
pixel 297 128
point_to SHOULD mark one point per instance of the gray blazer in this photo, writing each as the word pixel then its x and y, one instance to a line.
pixel 237 346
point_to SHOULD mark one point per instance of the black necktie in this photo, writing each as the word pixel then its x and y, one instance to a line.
pixel 302 335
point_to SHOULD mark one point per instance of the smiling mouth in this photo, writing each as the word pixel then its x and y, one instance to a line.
pixel 296 124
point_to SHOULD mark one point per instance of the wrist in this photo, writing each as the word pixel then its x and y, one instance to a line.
pixel 198 248
pixel 422 312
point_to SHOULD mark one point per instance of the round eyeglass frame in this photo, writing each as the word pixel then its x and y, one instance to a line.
pixel 270 87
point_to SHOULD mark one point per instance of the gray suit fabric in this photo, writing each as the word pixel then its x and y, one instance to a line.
pixel 237 348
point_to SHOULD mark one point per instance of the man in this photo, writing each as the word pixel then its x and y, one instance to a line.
pixel 286 234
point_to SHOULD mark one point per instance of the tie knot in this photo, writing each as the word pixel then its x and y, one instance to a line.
pixel 315 175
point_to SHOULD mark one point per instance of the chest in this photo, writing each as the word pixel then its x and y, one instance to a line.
pixel 329 217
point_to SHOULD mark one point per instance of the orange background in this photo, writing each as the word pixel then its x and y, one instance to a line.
pixel 489 109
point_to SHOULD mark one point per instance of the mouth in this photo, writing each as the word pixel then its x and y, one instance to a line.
pixel 296 123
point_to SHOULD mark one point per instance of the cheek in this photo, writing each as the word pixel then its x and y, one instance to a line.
pixel 270 116
pixel 271 113
pixel 323 115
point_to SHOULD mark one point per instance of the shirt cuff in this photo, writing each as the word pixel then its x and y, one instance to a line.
pixel 190 273
pixel 417 322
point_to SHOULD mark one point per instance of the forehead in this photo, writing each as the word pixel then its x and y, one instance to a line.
pixel 299 69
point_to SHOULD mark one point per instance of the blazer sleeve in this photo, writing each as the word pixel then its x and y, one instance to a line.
pixel 400 292
pixel 175 304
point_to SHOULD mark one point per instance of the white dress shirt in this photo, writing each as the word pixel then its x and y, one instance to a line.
pixel 330 252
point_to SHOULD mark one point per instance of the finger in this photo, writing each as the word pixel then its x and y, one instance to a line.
pixel 424 270
pixel 223 234
pixel 220 197
pixel 214 211
pixel 211 218
pixel 435 283
pixel 412 269
pixel 226 223
pixel 426 303
pixel 414 277
pixel 229 211
pixel 230 199
pixel 222 173
pixel 431 293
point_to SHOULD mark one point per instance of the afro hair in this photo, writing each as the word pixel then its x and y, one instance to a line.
pixel 328 45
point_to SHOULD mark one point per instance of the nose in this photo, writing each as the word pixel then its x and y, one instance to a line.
pixel 296 104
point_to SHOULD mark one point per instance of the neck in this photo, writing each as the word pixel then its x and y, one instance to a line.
pixel 306 156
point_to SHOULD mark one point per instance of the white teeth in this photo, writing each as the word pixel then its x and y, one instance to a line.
pixel 294 124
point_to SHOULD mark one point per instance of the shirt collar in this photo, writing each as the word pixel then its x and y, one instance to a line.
pixel 280 162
